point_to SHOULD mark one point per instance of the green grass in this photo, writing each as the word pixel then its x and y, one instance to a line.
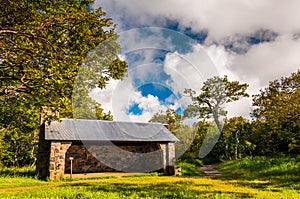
pixel 143 187
pixel 265 173
pixel 19 177
pixel 17 172
pixel 246 178
pixel 188 169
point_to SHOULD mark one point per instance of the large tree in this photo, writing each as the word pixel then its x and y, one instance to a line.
pixel 215 93
pixel 43 45
pixel 277 116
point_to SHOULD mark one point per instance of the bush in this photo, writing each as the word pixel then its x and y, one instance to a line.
pixel 188 169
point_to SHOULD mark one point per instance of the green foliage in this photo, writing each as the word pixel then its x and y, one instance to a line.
pixel 190 169
pixel 215 93
pixel 237 131
pixel 84 107
pixel 170 117
pixel 200 130
pixel 43 47
pixel 18 138
pixel 277 117
pixel 184 133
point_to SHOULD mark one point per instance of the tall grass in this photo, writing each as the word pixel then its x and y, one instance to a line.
pixel 17 172
pixel 19 177
pixel 281 172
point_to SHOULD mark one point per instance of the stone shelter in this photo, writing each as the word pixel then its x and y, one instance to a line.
pixel 92 146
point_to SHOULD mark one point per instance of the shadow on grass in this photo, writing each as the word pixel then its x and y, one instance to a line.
pixel 178 189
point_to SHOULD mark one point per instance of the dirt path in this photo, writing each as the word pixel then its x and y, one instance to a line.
pixel 22 188
pixel 104 174
pixel 210 170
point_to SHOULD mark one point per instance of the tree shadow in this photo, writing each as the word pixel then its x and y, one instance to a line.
pixel 178 189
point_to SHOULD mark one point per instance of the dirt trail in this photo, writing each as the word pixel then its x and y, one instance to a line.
pixel 210 170
pixel 103 174
pixel 22 188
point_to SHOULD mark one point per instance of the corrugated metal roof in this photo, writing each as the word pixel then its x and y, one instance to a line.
pixel 98 130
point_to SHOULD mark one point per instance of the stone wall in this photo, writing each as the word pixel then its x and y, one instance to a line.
pixel 57 159
pixel 168 152
pixel 83 161
pixel 138 157
pixel 54 158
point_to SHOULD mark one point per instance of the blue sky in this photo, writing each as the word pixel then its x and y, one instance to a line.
pixel 172 45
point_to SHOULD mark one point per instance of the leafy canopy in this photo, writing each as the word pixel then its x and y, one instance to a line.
pixel 43 46
pixel 277 116
pixel 215 93
pixel 44 43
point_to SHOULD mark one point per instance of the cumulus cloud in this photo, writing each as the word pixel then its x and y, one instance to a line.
pixel 189 70
pixel 141 38
pixel 146 103
pixel 269 61
pixel 149 105
pixel 230 26
pixel 220 18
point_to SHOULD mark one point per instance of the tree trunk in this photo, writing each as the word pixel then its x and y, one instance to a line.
pixel 226 150
pixel 236 145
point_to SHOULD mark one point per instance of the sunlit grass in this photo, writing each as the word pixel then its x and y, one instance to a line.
pixel 18 177
pixel 247 178
pixel 274 173
pixel 188 169
pixel 17 171
pixel 145 187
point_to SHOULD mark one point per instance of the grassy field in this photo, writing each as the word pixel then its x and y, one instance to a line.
pixel 275 173
pixel 239 180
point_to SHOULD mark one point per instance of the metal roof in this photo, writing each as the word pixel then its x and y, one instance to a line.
pixel 98 130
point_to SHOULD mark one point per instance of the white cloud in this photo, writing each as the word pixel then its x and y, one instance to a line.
pixel 241 107
pixel 145 38
pixel 148 104
pixel 144 117
pixel 104 96
pixel 220 18
pixel 222 60
pixel 268 61
pixel 189 70
pixel 145 103
pixel 115 97
pixel 227 22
